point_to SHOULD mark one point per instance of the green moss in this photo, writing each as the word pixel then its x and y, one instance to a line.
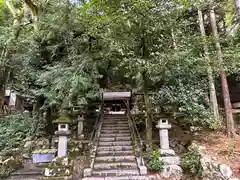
pixel 44 151
pixel 63 120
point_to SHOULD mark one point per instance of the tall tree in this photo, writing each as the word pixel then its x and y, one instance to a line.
pixel 8 50
pixel 212 90
pixel 238 7
pixel 224 83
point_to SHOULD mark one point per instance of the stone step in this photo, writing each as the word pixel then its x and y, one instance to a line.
pixel 115 153
pixel 119 116
pixel 114 148
pixel 25 177
pixel 115 128
pixel 28 173
pixel 115 143
pixel 115 159
pixel 115 172
pixel 115 135
pixel 116 124
pixel 115 165
pixel 115 118
pixel 115 121
pixel 118 178
pixel 115 131
pixel 107 139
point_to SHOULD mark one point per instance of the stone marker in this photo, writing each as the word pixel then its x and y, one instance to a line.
pixel 80 127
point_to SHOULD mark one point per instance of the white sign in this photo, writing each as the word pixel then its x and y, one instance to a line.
pixel 7 93
pixel 13 98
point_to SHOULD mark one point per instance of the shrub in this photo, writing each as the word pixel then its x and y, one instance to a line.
pixel 154 164
pixel 214 124
pixel 190 161
pixel 5 172
pixel 15 128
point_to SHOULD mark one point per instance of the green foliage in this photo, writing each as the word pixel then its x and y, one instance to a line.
pixel 15 128
pixel 5 172
pixel 185 89
pixel 190 161
pixel 214 124
pixel 154 163
pixel 63 120
pixel 3 12
pixel 71 51
pixel 59 66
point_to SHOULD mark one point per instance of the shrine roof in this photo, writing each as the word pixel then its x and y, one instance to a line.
pixel 116 96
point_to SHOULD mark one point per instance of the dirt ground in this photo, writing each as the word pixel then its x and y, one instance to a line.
pixel 222 149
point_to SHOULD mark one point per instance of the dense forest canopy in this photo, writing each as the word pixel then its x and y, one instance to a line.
pixel 65 52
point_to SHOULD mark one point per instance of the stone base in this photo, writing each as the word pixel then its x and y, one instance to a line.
pixel 165 152
pixel 172 171
pixel 57 178
pixel 87 172
pixel 143 170
pixel 57 171
pixel 49 172
pixel 170 160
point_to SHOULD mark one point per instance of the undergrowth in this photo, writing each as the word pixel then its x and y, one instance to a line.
pixel 13 130
pixel 190 161
pixel 154 163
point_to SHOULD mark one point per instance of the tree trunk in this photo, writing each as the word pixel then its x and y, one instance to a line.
pixel 49 119
pixel 2 93
pixel 174 40
pixel 212 90
pixel 148 113
pixel 238 7
pixel 224 84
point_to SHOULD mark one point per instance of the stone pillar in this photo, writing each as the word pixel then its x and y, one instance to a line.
pixel 163 133
pixel 163 127
pixel 63 132
pixel 80 127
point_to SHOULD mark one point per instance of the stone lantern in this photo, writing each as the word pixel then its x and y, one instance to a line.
pixel 80 127
pixel 167 155
pixel 163 127
pixel 63 133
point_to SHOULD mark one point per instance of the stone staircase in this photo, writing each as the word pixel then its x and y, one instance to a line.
pixel 28 172
pixel 115 157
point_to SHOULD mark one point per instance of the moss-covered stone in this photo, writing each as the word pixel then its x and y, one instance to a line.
pixel 60 167
pixel 44 151
pixel 57 178
pixel 63 120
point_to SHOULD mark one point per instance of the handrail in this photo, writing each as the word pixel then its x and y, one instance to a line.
pixel 136 134
pixel 95 134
